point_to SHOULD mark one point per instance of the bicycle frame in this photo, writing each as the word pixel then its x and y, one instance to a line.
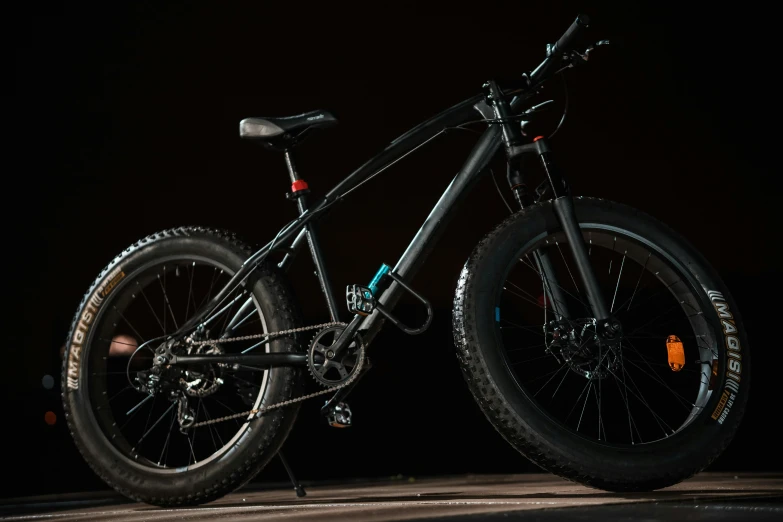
pixel 412 259
pixel 490 105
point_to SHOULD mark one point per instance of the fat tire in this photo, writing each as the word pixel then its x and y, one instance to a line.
pixel 252 452
pixel 515 416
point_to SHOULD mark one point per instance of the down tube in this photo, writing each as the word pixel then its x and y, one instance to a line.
pixel 432 229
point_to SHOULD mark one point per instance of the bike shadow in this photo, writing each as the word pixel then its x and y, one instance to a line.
pixel 589 498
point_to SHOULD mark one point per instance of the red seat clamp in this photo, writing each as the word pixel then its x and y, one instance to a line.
pixel 298 185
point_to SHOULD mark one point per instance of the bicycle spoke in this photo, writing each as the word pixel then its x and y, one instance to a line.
pixel 208 295
pixel 568 268
pixel 681 400
pixel 149 417
pixel 668 310
pixel 525 298
pixel 529 264
pixel 226 307
pixel 191 275
pixel 644 270
pixel 193 432
pixel 567 373
pixel 547 374
pixel 598 396
pixel 622 265
pixel 166 298
pixel 654 375
pixel 545 356
pixel 641 398
pixel 192 453
pixel 242 321
pixel 527 328
pixel 145 399
pixel 110 341
pixel 666 365
pixel 624 396
pixel 658 419
pixel 233 411
pixel 585 405
pixel 550 380
pixel 526 348
pixel 255 346
pixel 133 412
pixel 662 291
pixel 231 374
pixel 138 442
pixel 578 399
pixel 163 328
pixel 217 432
pixel 166 444
pixel 589 380
pixel 141 337
pixel 127 387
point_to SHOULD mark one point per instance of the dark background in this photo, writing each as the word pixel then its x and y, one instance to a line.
pixel 124 122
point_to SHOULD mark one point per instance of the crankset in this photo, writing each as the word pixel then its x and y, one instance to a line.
pixel 327 367
pixel 338 373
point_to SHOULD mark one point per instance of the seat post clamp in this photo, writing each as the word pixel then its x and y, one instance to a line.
pixel 298 188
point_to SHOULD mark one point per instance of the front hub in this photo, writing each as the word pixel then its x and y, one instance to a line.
pixel 584 347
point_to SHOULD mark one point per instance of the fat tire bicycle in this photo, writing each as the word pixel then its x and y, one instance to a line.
pixel 597 341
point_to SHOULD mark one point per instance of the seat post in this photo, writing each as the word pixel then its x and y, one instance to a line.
pixel 289 162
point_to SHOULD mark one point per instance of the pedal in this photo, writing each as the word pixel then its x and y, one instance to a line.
pixel 339 415
pixel 361 300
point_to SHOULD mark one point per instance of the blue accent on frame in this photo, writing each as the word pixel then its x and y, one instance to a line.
pixel 373 286
pixel 497 314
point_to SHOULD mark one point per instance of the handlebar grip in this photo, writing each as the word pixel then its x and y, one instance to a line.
pixel 582 22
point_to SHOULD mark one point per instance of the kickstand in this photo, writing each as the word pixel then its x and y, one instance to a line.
pixel 300 492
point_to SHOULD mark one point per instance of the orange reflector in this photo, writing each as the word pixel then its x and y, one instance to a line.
pixel 714 376
pixel 50 418
pixel 676 353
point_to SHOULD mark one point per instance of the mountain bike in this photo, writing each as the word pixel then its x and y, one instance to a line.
pixel 598 342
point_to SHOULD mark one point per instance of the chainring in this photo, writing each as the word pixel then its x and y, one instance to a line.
pixel 324 368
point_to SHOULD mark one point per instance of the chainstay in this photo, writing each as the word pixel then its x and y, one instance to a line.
pixel 265 409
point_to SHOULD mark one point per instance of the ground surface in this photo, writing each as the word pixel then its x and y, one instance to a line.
pixel 540 497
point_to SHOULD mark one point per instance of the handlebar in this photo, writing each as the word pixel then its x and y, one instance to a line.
pixel 562 45
pixel 556 51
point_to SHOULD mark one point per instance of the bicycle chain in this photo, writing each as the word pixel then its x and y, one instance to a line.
pixel 264 409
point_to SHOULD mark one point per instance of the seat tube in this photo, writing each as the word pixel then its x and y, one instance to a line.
pixel 312 238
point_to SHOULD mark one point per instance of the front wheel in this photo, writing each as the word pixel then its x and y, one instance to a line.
pixel 637 414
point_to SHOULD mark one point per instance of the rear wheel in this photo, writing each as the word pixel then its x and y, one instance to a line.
pixel 639 414
pixel 127 421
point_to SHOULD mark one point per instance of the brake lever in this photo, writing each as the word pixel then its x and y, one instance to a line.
pixel 575 58
pixel 590 49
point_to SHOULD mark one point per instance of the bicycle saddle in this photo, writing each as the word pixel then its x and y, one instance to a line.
pixel 286 129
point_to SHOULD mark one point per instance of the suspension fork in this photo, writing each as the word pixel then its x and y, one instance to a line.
pixel 564 210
